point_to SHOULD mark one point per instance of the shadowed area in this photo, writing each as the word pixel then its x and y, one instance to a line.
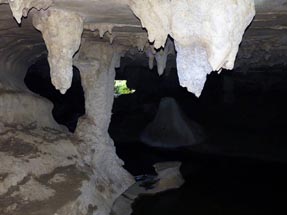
pixel 68 107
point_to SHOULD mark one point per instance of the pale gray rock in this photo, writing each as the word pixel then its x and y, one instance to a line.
pixel 197 24
pixel 29 157
pixel 62 33
pixel 108 179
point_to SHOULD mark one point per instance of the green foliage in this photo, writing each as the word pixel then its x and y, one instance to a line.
pixel 121 87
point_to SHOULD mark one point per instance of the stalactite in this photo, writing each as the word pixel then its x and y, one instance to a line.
pixel 62 32
pixel 21 7
pixel 216 26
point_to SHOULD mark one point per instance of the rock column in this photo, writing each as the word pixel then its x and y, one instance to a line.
pixel 108 180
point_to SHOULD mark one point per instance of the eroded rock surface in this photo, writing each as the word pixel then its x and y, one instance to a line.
pixel 209 30
pixel 168 177
pixel 25 108
pixel 97 63
pixel 30 156
pixel 197 28
pixel 27 127
pixel 80 174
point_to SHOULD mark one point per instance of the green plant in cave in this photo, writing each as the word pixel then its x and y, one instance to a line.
pixel 121 88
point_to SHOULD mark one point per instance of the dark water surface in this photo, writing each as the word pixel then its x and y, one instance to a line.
pixel 215 184
pixel 239 169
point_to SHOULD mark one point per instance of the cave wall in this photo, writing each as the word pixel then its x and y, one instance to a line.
pixel 94 35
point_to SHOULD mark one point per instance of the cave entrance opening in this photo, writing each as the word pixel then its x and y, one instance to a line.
pixel 68 107
pixel 121 88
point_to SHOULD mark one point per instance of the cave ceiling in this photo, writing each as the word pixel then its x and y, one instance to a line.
pixel 263 44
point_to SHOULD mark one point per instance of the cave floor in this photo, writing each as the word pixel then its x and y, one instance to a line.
pixel 38 171
pixel 220 179
pixel 220 185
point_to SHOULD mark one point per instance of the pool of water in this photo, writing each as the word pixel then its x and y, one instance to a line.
pixel 221 185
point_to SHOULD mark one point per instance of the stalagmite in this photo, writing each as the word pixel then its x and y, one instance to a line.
pixel 171 128
pixel 214 29
pixel 62 32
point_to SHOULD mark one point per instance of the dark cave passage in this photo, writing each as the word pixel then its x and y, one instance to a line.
pixel 222 186
pixel 68 107
pixel 238 169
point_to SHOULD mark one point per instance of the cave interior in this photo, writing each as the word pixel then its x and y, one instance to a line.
pixel 143 107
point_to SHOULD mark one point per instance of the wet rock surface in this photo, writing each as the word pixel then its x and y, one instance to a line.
pixel 168 177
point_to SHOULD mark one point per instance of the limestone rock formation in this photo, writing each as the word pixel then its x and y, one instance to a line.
pixel 210 30
pixel 168 177
pixel 62 32
pixel 108 178
pixel 171 128
pixel 34 148
pixel 161 56
pixel 22 7
pixel 30 156
pixel 37 154
pixel 197 28
pixel 26 108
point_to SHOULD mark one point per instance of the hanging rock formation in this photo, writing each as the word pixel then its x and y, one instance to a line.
pixel 36 153
pixel 206 32
pixel 62 32
pixel 21 7
pixel 161 56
